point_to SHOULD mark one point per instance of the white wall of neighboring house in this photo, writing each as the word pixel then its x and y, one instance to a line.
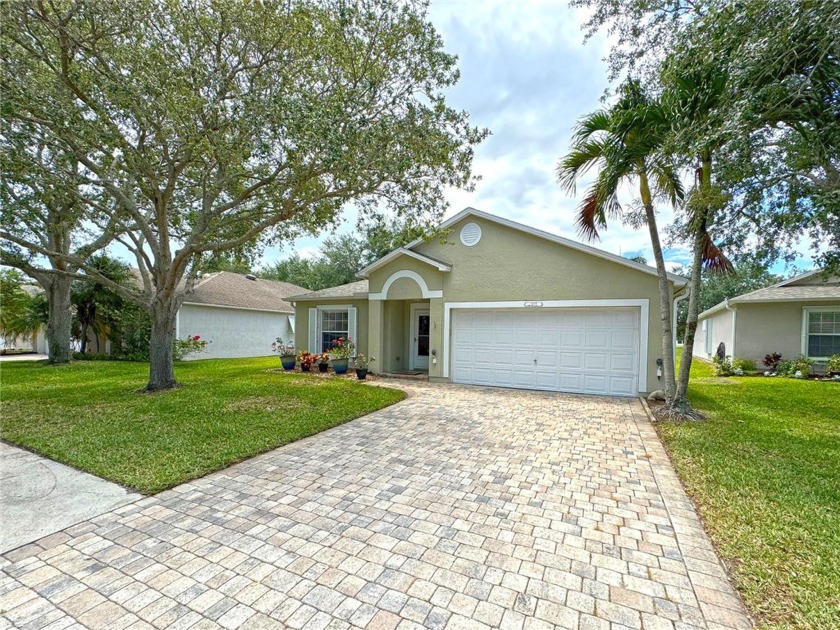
pixel 712 330
pixel 233 332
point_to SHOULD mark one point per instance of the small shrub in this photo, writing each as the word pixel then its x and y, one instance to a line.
pixel 722 367
pixel 771 361
pixel 745 365
pixel 833 364
pixel 181 348
pixel 789 368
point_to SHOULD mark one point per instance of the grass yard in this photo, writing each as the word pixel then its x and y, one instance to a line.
pixel 89 415
pixel 764 470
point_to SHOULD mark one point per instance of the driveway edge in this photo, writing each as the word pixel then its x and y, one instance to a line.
pixel 719 601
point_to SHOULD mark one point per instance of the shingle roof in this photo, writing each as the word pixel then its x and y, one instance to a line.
pixel 352 290
pixel 796 292
pixel 233 289
pixel 784 292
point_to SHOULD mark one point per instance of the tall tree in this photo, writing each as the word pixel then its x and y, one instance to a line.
pixel 43 223
pixel 777 121
pixel 691 100
pixel 210 124
pixel 625 143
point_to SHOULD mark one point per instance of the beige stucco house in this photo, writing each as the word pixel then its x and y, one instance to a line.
pixel 800 316
pixel 498 303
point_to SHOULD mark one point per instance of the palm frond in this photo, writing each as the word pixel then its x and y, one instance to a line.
pixel 714 259
pixel 592 124
pixel 578 161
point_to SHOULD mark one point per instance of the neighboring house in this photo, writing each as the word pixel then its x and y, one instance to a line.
pixel 499 304
pixel 36 342
pixel 240 315
pixel 800 316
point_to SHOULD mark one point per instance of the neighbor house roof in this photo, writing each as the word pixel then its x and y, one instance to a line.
pixel 785 292
pixel 357 289
pixel 678 281
pixel 234 290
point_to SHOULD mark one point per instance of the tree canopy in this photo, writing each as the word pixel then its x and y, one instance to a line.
pixel 201 127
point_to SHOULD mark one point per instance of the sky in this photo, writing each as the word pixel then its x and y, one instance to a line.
pixel 527 76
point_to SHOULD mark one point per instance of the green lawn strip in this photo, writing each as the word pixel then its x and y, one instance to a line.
pixel 764 469
pixel 90 415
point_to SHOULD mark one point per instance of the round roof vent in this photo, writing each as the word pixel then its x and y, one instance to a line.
pixel 470 234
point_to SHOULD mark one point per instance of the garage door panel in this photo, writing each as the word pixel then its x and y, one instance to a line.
pixel 576 350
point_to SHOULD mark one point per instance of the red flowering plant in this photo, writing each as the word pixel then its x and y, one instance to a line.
pixel 306 359
pixel 343 348
pixel 181 348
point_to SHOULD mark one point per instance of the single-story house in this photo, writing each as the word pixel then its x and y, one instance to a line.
pixel 240 315
pixel 498 303
pixel 800 316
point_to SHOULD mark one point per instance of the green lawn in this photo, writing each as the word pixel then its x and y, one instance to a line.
pixel 90 415
pixel 764 469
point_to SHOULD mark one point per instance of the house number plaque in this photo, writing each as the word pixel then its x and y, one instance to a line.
pixel 532 304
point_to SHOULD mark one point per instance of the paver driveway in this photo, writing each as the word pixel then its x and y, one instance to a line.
pixel 458 508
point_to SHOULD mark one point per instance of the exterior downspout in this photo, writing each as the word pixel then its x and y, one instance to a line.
pixel 734 312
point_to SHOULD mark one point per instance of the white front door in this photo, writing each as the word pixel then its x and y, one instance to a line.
pixel 420 322
pixel 590 350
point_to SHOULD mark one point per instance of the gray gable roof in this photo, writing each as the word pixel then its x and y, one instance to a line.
pixel 351 290
pixel 236 290
pixel 817 290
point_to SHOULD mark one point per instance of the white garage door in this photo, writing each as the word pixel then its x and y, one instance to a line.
pixel 594 351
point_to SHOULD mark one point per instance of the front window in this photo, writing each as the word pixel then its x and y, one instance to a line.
pixel 823 333
pixel 334 324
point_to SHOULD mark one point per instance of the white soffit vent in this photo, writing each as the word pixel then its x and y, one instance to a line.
pixel 470 234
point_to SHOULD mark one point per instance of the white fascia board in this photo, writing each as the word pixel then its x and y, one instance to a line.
pixel 587 249
pixel 402 251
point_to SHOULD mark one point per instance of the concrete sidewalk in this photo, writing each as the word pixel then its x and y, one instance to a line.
pixel 39 497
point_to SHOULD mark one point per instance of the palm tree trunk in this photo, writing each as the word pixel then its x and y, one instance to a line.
pixel 680 403
pixel 668 371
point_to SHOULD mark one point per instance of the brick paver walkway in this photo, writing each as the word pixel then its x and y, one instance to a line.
pixel 458 508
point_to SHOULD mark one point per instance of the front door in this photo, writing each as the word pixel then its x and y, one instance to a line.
pixel 420 344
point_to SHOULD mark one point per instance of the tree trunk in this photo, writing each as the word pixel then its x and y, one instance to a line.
pixel 59 319
pixel 680 402
pixel 668 371
pixel 161 363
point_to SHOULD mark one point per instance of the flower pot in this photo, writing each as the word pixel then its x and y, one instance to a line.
pixel 340 365
pixel 361 373
pixel 288 362
pixel 304 367
pixel 323 367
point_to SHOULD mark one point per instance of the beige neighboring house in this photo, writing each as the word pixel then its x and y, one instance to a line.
pixel 499 304
pixel 240 315
pixel 800 316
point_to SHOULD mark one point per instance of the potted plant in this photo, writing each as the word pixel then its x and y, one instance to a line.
pixel 306 359
pixel 323 362
pixel 340 354
pixel 286 352
pixel 362 364
pixel 832 367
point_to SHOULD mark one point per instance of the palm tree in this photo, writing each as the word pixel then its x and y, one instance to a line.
pixel 626 144
pixel 691 99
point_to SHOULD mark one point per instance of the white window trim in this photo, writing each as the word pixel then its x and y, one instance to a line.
pixel 319 329
pixel 406 273
pixel 806 315
pixel 642 305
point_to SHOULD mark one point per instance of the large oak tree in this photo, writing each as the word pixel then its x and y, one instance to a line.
pixel 202 125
